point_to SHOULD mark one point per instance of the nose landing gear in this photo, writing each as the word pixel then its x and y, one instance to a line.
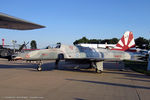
pixel 39 66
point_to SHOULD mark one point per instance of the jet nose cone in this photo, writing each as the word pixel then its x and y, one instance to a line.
pixel 18 58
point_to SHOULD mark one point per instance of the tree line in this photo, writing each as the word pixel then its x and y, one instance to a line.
pixel 140 42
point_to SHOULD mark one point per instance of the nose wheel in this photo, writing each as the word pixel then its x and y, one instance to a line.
pixel 39 66
pixel 39 69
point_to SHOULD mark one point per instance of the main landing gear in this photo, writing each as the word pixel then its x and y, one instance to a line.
pixel 98 66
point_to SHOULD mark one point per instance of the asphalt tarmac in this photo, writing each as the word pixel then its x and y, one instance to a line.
pixel 21 81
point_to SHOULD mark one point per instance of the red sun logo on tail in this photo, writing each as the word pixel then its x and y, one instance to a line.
pixel 126 42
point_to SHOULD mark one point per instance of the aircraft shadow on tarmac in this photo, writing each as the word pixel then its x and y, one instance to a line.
pixel 49 66
pixel 79 99
pixel 108 68
pixel 4 66
pixel 112 84
pixel 143 80
pixel 66 67
pixel 129 74
pixel 45 67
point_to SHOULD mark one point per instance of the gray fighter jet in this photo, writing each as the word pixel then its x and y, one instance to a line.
pixel 79 54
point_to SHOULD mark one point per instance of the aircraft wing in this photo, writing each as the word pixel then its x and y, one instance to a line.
pixel 10 22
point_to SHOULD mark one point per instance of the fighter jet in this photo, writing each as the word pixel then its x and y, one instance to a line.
pixel 92 56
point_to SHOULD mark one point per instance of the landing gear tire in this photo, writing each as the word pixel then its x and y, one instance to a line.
pixel 39 69
pixel 98 71
pixel 39 66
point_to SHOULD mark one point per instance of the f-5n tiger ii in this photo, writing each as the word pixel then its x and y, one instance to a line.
pixel 79 54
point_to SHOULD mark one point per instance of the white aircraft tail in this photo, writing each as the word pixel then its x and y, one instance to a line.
pixel 126 42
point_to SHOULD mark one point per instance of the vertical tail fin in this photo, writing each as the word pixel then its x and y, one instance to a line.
pixel 126 42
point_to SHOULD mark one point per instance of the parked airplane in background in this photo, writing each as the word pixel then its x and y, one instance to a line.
pixel 79 54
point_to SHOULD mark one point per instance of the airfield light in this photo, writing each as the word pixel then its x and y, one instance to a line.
pixel 3 42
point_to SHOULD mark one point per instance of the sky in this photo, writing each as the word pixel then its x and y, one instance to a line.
pixel 69 20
